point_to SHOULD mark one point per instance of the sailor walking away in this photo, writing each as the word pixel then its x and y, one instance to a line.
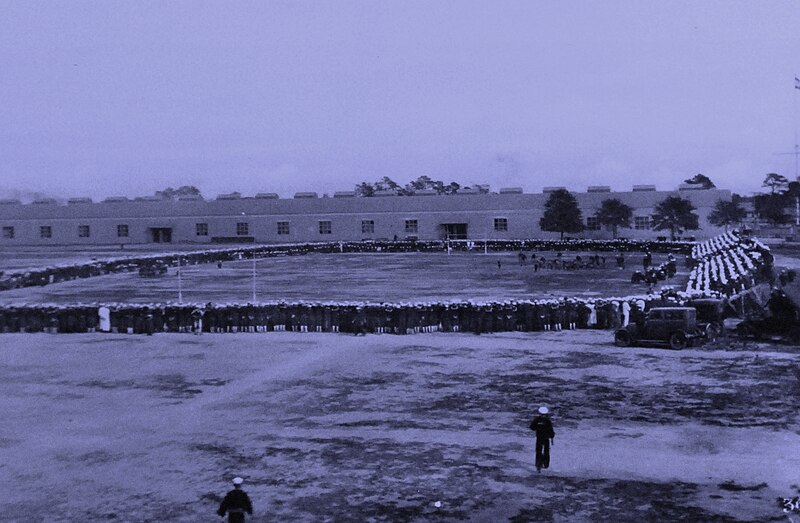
pixel 545 436
pixel 236 503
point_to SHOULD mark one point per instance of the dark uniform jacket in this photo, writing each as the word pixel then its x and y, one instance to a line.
pixel 236 503
pixel 543 428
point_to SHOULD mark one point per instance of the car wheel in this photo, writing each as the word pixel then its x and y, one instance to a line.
pixel 622 338
pixel 678 340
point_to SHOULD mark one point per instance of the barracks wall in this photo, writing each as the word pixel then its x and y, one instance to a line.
pixel 272 220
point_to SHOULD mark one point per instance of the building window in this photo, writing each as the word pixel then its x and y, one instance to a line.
pixel 501 224
pixel 122 230
pixel 412 226
pixel 242 229
pixel 45 231
pixel 201 229
pixel 283 227
pixel 641 223
pixel 325 227
pixel 8 233
pixel 83 231
pixel 592 224
pixel 367 226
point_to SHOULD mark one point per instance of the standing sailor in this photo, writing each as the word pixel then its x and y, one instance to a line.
pixel 236 503
pixel 545 436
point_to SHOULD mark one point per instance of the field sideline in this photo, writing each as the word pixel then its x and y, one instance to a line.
pixel 378 428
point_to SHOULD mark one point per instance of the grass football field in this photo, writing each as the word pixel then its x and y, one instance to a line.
pixel 377 277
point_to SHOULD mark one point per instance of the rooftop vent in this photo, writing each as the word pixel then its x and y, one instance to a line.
pixel 148 199
pixel 599 188
pixel 552 189
pixel 385 193
pixel 115 199
pixel 344 194
pixel 9 201
pixel 266 196
pixel 691 187
pixel 511 190
pixel 644 188
pixel 190 198
pixel 468 191
pixel 72 201
pixel 229 196
pixel 45 201
pixel 301 195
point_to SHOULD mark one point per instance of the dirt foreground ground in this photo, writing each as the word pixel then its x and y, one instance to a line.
pixel 379 428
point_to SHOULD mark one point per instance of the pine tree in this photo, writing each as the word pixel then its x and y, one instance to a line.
pixel 727 213
pixel 561 213
pixel 676 215
pixel 615 214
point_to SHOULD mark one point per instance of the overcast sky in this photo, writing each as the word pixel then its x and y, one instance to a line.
pixel 111 97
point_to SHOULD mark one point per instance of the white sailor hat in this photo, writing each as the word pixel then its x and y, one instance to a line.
pixel 237 480
pixel 544 410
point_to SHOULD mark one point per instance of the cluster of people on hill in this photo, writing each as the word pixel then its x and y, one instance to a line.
pixel 716 245
pixel 64 272
pixel 728 264
pixel 348 317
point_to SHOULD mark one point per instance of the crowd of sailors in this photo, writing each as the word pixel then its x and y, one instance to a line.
pixel 728 264
pixel 346 317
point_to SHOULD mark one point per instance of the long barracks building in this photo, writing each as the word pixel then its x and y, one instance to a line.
pixel 265 218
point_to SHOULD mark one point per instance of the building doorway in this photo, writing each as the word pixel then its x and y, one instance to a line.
pixel 455 231
pixel 161 234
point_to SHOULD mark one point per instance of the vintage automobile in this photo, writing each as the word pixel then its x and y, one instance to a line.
pixel 676 327
pixel 711 315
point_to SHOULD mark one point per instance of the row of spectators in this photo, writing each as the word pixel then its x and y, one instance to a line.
pixel 728 264
pixel 618 245
pixel 65 272
pixel 355 318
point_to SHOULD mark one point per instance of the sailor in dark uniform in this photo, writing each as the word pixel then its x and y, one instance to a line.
pixel 236 503
pixel 545 436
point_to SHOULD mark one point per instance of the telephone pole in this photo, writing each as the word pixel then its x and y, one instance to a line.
pixel 796 152
pixel 180 284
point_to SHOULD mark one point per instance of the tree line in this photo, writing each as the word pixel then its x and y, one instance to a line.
pixel 420 184
pixel 782 194
pixel 562 215
pixel 675 214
